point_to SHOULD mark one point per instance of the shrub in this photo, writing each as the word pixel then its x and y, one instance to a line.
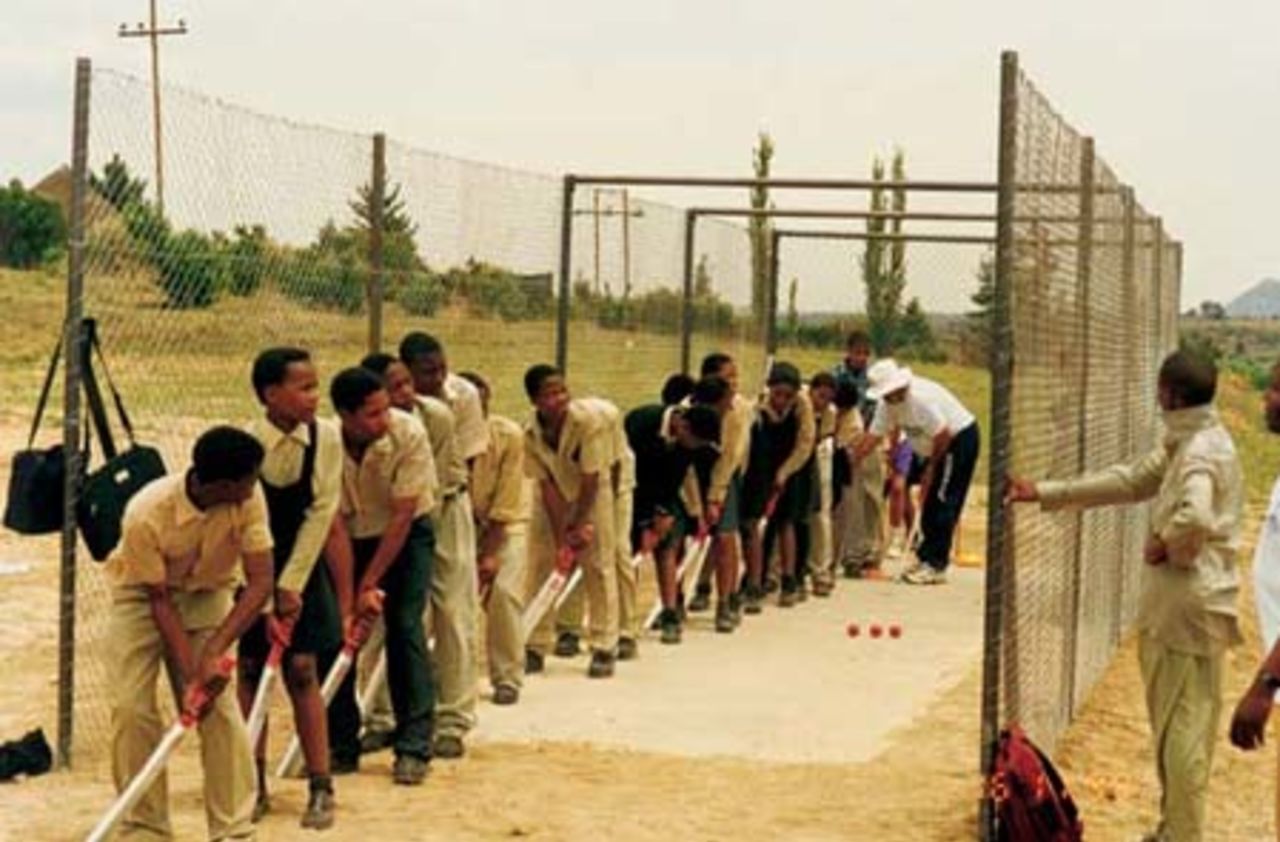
pixel 247 259
pixel 334 281
pixel 421 294
pixel 193 270
pixel 32 230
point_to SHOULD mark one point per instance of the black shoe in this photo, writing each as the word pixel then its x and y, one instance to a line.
pixel 701 599
pixel 374 740
pixel 343 765
pixel 29 755
pixel 628 649
pixel 601 664
pixel 534 662
pixel 409 770
pixel 751 600
pixel 448 747
pixel 261 807
pixel 850 570
pixel 567 645
pixel 735 608
pixel 770 586
pixel 670 621
pixel 724 618
pixel 788 595
pixel 506 694
pixel 319 812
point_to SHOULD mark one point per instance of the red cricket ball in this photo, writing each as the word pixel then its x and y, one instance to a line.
pixel 895 631
pixel 876 631
pixel 853 629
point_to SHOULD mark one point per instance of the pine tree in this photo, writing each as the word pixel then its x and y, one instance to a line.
pixel 760 230
pixel 793 314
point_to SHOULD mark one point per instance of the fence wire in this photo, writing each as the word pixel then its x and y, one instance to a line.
pixel 1091 320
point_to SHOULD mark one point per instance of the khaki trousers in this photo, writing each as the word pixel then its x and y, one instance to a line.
pixel 821 552
pixel 506 602
pixel 450 621
pixel 861 513
pixel 628 576
pixel 136 655
pixel 1184 703
pixel 599 575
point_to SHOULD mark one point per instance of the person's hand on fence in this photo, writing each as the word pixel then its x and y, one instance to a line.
pixel 1019 490
pixel 1249 722
pixel 1155 552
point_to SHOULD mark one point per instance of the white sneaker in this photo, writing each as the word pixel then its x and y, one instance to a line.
pixel 925 574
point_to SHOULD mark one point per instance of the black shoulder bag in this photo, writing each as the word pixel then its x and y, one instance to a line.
pixel 34 504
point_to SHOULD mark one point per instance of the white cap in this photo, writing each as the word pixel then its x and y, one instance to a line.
pixel 886 377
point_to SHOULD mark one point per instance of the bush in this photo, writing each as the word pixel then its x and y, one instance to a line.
pixel 493 291
pixel 422 294
pixel 32 230
pixel 247 259
pixel 193 270
pixel 327 281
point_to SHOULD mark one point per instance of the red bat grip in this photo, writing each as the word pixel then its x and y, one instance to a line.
pixel 199 697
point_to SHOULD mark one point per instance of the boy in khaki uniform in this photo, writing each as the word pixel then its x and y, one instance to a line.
pixel 499 495
pixel 184 539
pixel 1187 614
pixel 817 559
pixel 571 453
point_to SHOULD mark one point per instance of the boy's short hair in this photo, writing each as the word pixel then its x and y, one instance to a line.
pixel 378 362
pixel 783 374
pixel 713 362
pixel 710 390
pixel 1192 378
pixel 417 345
pixel 536 376
pixel 823 380
pixel 226 454
pixel 677 388
pixel 857 339
pixel 846 394
pixel 352 387
pixel 704 423
pixel 272 366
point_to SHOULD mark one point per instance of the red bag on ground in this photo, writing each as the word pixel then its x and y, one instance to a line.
pixel 1031 802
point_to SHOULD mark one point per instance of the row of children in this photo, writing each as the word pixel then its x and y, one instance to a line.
pixel 415 508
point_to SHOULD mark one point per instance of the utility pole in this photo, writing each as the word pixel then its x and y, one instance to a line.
pixel 154 32
pixel 597 212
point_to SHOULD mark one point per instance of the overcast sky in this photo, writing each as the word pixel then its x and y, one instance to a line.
pixel 1183 96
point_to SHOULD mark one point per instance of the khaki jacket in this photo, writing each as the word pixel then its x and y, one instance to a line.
pixel 1196 484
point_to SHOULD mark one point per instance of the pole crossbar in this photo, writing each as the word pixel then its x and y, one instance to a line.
pixel 960 239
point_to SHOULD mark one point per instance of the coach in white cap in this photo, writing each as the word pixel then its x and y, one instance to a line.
pixel 945 436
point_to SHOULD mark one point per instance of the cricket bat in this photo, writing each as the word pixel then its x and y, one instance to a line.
pixel 270 673
pixel 693 560
pixel 546 596
pixel 193 711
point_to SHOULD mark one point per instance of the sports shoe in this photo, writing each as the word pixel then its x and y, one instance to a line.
pixel 534 662
pixel 701 599
pixel 601 664
pixel 374 740
pixel 751 600
pixel 409 770
pixel 925 574
pixel 670 627
pixel 735 607
pixel 506 694
pixel 448 747
pixel 724 618
pixel 628 649
pixel 319 812
pixel 822 589
pixel 567 645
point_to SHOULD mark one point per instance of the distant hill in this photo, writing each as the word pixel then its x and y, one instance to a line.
pixel 1261 301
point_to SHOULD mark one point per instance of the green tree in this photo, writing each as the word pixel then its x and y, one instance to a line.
pixel 915 339
pixel 760 229
pixel 32 230
pixel 399 249
pixel 117 185
pixel 793 314
pixel 879 317
pixel 979 321
pixel 702 279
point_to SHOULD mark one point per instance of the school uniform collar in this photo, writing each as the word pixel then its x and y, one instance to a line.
pixel 1182 424
pixel 664 429
pixel 271 435
pixel 185 510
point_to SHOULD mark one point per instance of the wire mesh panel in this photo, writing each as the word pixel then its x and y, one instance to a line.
pixel 1089 330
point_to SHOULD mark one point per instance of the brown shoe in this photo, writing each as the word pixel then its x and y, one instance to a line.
pixel 319 812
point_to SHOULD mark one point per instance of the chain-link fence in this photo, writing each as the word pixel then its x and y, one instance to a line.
pixel 1092 287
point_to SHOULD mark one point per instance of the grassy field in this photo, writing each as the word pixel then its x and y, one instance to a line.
pixel 181 369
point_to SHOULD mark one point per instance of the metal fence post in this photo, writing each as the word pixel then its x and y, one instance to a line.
pixel 72 338
pixel 771 295
pixel 1001 417
pixel 686 309
pixel 566 266
pixel 377 207
pixel 1084 284
pixel 1169 328
pixel 1127 268
pixel 1157 271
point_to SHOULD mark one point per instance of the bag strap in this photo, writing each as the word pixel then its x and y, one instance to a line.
pixel 97 409
pixel 44 391
pixel 115 393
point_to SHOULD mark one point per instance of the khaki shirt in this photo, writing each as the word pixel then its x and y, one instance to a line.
pixel 499 488
pixel 806 431
pixel 1188 603
pixel 282 466
pixel 472 432
pixel 166 540
pixel 396 466
pixel 588 444
pixel 735 446
pixel 825 423
pixel 848 426
pixel 442 431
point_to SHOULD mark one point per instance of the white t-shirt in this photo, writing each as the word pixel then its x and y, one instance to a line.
pixel 1266 572
pixel 927 410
